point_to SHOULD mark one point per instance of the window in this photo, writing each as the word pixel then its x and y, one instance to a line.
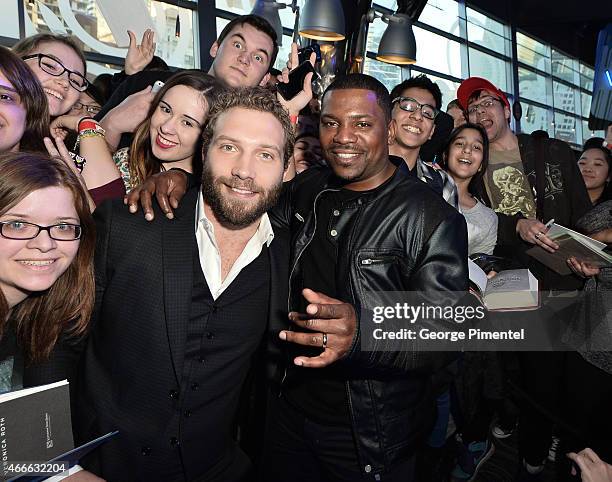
pixel 390 75
pixel 533 53
pixel 565 97
pixel 447 87
pixel 588 133
pixel 489 33
pixel 244 7
pixel 565 68
pixel 587 76
pixel 103 33
pixel 437 53
pixel 9 26
pixel 492 68
pixel 534 86
pixel 586 100
pixel 535 118
pixel 565 128
pixel 443 15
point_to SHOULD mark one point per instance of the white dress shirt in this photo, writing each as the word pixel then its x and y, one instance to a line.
pixel 210 258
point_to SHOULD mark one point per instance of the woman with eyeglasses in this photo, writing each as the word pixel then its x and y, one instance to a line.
pixel 59 65
pixel 47 241
pixel 47 288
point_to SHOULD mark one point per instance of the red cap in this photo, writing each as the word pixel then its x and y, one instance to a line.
pixel 471 85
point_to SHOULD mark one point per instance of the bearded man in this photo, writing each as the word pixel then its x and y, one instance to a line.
pixel 182 306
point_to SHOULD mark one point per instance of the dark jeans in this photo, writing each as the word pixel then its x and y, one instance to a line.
pixel 299 449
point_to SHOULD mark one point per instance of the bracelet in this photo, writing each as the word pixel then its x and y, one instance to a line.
pixel 95 132
pixel 85 119
pixel 79 161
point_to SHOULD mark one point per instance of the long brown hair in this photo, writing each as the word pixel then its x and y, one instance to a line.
pixel 32 97
pixel 66 306
pixel 143 163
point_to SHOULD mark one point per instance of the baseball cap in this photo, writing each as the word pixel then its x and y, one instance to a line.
pixel 472 84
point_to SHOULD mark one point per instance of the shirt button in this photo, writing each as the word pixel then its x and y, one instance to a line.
pixel 173 394
pixel 214 309
pixel 209 335
pixel 174 441
pixel 188 413
pixel 368 468
pixel 201 359
pixel 194 386
pixel 333 232
pixel 146 450
pixel 336 212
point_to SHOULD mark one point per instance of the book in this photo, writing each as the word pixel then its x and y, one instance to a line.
pixel 571 243
pixel 508 290
pixel 36 428
pixel 35 423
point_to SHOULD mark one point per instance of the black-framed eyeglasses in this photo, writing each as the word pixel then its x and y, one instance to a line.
pixel 485 104
pixel 22 230
pixel 90 109
pixel 56 68
pixel 412 105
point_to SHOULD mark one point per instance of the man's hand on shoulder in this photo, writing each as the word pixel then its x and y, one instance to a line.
pixel 169 187
pixel 333 324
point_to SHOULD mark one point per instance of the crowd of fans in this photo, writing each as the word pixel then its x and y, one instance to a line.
pixel 68 144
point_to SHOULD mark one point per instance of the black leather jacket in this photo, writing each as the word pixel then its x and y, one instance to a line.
pixel 403 237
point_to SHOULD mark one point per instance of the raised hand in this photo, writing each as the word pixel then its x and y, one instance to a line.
pixel 301 100
pixel 139 55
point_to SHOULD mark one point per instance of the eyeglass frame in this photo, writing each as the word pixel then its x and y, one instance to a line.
pixel 39 56
pixel 40 228
pixel 87 107
pixel 475 107
pixel 419 106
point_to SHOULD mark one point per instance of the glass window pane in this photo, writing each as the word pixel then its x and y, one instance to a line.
pixel 244 7
pixel 565 128
pixel 534 86
pixel 535 118
pixel 94 32
pixel 9 26
pixel 586 100
pixel 587 74
pixel 437 53
pixel 489 67
pixel 390 75
pixel 487 32
pixel 442 14
pixel 532 52
pixel 588 133
pixel 565 68
pixel 564 97
pixel 447 87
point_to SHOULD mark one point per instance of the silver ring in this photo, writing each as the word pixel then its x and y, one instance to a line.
pixel 537 236
pixel 324 340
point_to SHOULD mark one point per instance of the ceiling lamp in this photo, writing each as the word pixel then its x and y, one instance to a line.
pixel 322 20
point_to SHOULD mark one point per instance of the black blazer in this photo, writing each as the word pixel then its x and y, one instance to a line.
pixel 144 274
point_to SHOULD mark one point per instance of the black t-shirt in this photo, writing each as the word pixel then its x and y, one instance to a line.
pixel 320 393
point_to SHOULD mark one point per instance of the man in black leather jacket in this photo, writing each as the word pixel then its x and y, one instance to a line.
pixel 362 227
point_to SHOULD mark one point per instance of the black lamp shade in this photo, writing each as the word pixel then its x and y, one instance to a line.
pixel 322 20
pixel 397 45
pixel 268 9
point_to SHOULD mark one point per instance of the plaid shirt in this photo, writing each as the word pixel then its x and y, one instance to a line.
pixel 437 179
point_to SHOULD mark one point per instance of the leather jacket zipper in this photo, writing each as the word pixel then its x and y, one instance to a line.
pixel 378 260
pixel 297 259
